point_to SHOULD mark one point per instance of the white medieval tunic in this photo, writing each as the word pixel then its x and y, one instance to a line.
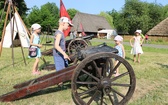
pixel 137 48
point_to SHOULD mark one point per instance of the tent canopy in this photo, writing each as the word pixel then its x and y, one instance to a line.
pixel 19 29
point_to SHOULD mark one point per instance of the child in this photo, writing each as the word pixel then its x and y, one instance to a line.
pixel 137 46
pixel 34 42
pixel 121 51
pixel 60 57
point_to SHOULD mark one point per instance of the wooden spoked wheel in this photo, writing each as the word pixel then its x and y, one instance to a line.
pixel 88 42
pixel 94 81
pixel 76 45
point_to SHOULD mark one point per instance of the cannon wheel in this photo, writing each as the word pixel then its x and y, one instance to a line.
pixel 88 42
pixel 75 45
pixel 93 81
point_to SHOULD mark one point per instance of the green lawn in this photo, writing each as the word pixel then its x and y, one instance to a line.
pixel 151 75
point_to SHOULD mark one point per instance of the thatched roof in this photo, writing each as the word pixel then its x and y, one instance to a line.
pixel 160 29
pixel 90 22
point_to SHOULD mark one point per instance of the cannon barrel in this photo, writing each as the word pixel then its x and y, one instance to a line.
pixel 95 49
pixel 88 37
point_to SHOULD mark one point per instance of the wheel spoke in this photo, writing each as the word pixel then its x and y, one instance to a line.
pixel 96 67
pixel 95 94
pixel 97 79
pixel 111 99
pixel 87 91
pixel 117 84
pixel 120 94
pixel 73 47
pixel 104 68
pixel 120 76
pixel 114 69
pixel 74 43
pixel 87 83
pixel 102 96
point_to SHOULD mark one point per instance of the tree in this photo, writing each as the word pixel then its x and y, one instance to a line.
pixel 47 16
pixel 118 21
pixel 72 12
pixel 155 13
pixel 135 14
pixel 20 6
pixel 108 18
pixel 138 15
pixel 165 11
pixel 34 16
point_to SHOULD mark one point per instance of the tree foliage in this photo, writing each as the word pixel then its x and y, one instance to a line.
pixel 20 6
pixel 134 15
pixel 108 18
pixel 47 16
pixel 138 15
pixel 72 12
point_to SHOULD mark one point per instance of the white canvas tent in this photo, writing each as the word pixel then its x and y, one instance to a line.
pixel 108 32
pixel 21 31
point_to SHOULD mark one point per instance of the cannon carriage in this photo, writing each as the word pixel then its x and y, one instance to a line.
pixel 72 46
pixel 92 79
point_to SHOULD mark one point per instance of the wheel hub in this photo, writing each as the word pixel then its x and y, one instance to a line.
pixel 105 85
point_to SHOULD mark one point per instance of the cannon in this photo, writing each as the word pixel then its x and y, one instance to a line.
pixel 92 79
pixel 73 45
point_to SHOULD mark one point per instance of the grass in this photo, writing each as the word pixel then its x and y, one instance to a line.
pixel 151 76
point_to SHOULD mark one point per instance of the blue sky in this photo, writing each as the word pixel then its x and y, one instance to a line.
pixel 90 6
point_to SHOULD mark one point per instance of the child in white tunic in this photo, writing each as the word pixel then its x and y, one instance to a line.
pixel 137 46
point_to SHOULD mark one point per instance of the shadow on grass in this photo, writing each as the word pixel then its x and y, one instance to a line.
pixel 47 66
pixel 57 88
pixel 162 65
pixel 14 64
pixel 5 67
pixel 128 58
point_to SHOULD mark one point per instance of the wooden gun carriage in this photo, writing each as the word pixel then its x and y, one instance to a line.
pixel 92 79
pixel 74 44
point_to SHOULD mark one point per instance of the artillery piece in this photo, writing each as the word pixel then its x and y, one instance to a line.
pixel 92 79
pixel 73 44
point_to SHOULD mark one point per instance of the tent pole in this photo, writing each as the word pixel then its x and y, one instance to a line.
pixel 4 29
pixel 18 34
pixel 22 21
pixel 12 32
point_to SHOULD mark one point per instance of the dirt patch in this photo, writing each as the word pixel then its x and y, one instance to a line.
pixel 143 87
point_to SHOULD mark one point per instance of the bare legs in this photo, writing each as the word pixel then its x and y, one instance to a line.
pixel 138 57
pixel 35 66
pixel 117 70
pixel 134 57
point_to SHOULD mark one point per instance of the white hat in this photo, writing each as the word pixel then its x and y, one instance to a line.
pixel 35 26
pixel 118 38
pixel 138 31
pixel 65 19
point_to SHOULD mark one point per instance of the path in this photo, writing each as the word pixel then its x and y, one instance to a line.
pixel 127 43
